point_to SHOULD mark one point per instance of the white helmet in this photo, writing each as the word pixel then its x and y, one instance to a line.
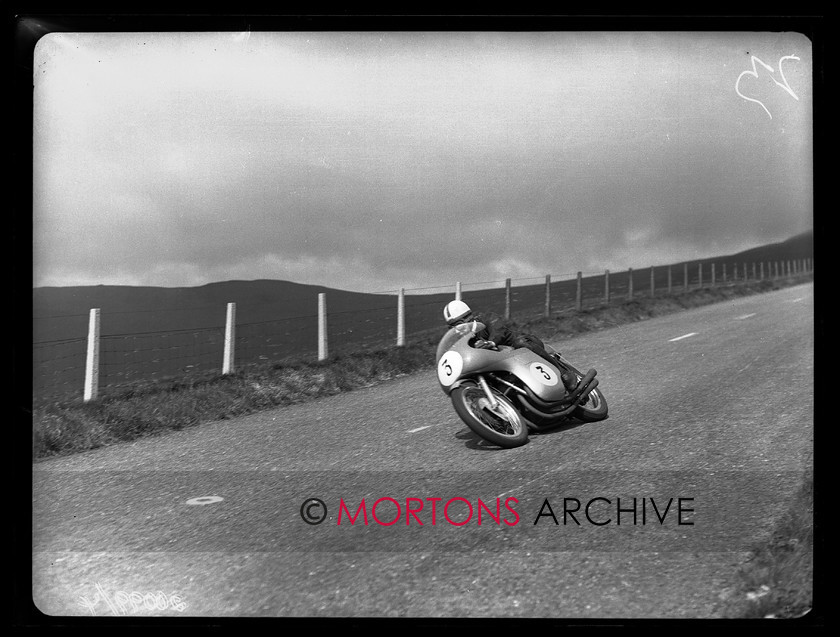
pixel 455 311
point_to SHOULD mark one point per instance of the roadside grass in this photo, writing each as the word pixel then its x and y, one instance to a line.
pixel 64 427
pixel 777 579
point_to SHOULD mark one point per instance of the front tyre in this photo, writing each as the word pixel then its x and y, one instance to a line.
pixel 501 425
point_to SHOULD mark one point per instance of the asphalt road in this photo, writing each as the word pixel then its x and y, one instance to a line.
pixel 710 431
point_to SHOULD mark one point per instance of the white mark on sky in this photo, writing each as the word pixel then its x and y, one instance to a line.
pixel 784 84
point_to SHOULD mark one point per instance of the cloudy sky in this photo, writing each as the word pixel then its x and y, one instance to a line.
pixel 374 161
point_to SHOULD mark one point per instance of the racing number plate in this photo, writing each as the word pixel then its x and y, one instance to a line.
pixel 449 368
pixel 545 374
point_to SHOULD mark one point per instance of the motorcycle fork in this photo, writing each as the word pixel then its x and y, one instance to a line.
pixel 486 388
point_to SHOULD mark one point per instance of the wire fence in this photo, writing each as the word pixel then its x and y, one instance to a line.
pixel 59 365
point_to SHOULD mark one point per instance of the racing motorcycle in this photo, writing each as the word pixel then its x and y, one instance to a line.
pixel 502 392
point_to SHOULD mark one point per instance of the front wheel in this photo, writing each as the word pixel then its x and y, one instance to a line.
pixel 501 425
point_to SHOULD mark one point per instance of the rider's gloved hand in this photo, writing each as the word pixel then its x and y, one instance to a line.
pixel 483 344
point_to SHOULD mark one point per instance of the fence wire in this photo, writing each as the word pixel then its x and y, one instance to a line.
pixel 59 364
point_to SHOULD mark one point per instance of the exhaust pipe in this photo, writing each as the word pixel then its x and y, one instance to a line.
pixel 565 411
pixel 580 393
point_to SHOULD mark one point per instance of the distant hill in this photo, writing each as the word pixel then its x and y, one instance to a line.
pixel 62 312
pixel 800 246
pixel 156 332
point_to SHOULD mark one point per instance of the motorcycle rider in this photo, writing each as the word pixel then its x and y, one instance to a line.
pixel 496 330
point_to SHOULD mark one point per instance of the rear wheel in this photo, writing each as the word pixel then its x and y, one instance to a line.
pixel 501 425
pixel 593 408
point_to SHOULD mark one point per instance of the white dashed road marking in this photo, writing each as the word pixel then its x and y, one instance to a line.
pixel 745 316
pixel 207 499
pixel 412 431
pixel 679 338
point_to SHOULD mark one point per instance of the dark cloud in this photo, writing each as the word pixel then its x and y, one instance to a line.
pixel 411 160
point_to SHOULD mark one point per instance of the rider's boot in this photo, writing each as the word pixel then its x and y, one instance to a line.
pixel 570 381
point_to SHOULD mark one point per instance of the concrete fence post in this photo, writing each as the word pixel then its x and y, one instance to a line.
pixel 323 352
pixel 458 291
pixel 607 287
pixel 714 280
pixel 92 361
pixel 761 274
pixel 547 295
pixel 630 284
pixel 507 299
pixel 401 318
pixel 652 283
pixel 685 276
pixel 579 295
pixel 230 338
pixel 669 279
pixel 700 275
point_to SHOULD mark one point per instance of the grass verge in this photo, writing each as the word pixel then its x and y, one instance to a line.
pixel 72 426
pixel 777 579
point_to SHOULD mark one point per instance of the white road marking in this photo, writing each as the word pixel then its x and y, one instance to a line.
pixel 412 431
pixel 207 499
pixel 795 300
pixel 745 316
pixel 679 338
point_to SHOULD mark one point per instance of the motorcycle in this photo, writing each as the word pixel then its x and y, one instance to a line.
pixel 502 393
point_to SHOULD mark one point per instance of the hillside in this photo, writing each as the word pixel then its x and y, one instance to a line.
pixel 151 333
pixel 62 312
pixel 800 246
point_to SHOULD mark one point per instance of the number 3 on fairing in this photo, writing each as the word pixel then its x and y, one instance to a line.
pixel 544 374
pixel 449 368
